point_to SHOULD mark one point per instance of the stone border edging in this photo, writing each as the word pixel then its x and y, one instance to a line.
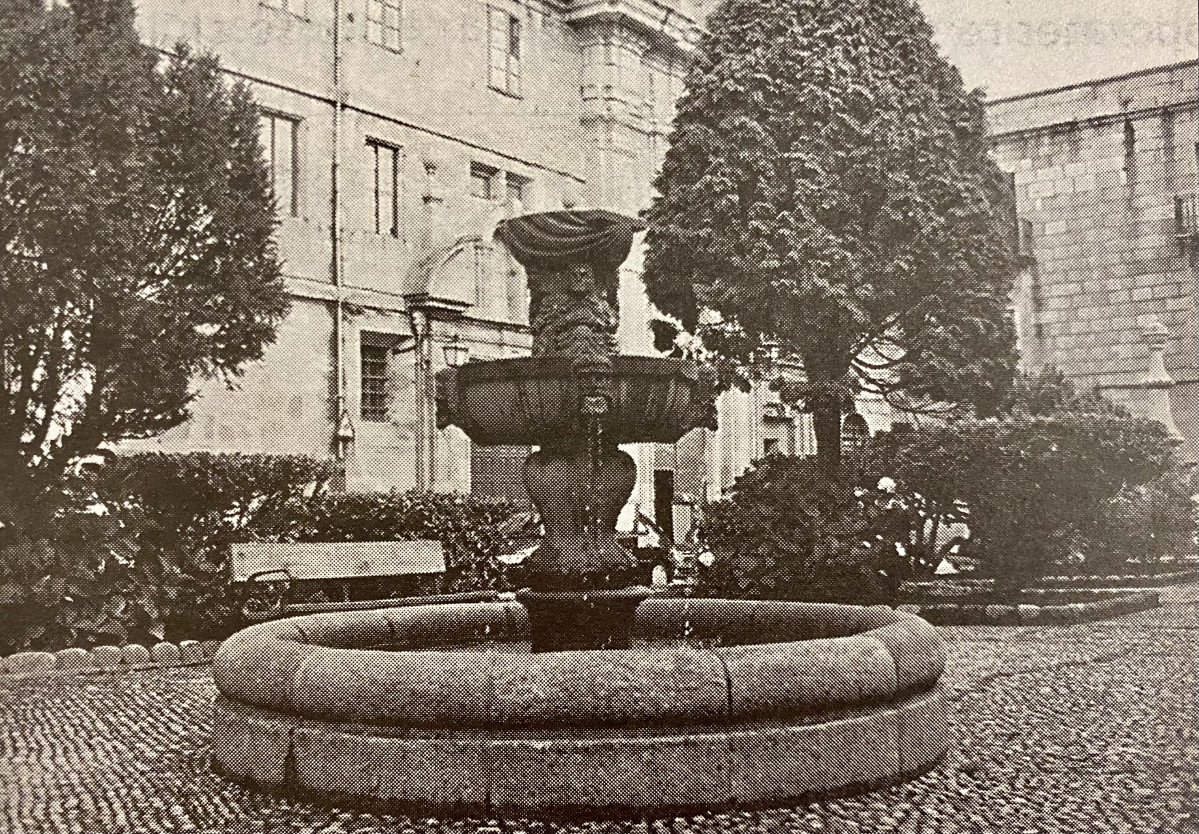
pixel 1124 580
pixel 131 656
pixel 949 614
pixel 807 657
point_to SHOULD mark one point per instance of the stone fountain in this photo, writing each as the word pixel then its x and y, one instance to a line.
pixel 576 399
pixel 586 695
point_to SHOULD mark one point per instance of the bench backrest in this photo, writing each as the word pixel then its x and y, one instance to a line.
pixel 338 560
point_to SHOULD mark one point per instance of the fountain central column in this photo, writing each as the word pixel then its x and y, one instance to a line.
pixel 582 584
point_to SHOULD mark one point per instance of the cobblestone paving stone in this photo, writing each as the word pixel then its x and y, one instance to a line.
pixel 1091 728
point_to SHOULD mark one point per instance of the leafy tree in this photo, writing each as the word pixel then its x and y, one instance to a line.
pixel 828 190
pixel 136 241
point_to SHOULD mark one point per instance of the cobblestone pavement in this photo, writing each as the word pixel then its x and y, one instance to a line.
pixel 1091 728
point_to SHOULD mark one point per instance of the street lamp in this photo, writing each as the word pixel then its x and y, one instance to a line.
pixel 456 352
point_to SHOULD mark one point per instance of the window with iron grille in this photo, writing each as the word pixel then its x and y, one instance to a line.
pixel 374 383
pixel 503 51
pixel 1024 244
pixel 280 136
pixel 383 23
pixel 1186 217
pixel 386 187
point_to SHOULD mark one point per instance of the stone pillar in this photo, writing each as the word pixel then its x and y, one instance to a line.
pixel 1153 397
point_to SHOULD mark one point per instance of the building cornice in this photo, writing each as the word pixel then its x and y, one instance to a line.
pixel 1094 121
pixel 663 23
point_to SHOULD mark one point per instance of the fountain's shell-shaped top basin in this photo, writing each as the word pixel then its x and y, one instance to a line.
pixel 526 400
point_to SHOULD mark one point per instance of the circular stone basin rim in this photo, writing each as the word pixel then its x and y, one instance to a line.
pixel 311 666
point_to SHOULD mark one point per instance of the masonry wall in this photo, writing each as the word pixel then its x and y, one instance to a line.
pixel 597 92
pixel 1097 168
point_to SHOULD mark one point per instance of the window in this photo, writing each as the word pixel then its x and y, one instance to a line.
pixel 482 181
pixel 1024 237
pixel 374 383
pixel 296 7
pixel 503 51
pixel 281 137
pixel 383 23
pixel 386 188
pixel 516 187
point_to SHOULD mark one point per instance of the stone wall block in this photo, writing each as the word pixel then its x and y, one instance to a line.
pixel 610 689
pixel 916 649
pixel 348 629
pixel 780 763
pixel 421 689
pixel 425 626
pixel 461 781
pixel 250 744
pixel 610 773
pixel 787 621
pixel 702 619
pixel 924 734
pixel 258 665
pixel 778 679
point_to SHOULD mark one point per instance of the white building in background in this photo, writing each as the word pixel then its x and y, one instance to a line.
pixel 399 132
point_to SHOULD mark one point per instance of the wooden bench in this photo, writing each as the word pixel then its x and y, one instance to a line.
pixel 283 563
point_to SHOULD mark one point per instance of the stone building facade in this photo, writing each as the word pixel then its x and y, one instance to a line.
pixel 1106 174
pixel 399 133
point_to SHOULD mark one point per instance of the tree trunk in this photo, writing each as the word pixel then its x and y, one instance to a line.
pixel 827 422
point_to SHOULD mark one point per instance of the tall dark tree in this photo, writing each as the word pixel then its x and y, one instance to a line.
pixel 828 189
pixel 137 248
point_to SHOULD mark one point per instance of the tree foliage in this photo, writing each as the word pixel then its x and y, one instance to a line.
pixel 136 238
pixel 828 189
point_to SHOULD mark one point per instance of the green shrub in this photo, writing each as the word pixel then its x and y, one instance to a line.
pixel 1144 522
pixel 1037 488
pixel 81 583
pixel 789 531
pixel 468 527
pixel 185 510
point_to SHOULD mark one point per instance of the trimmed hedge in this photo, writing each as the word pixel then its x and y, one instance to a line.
pixel 142 551
pixel 1033 490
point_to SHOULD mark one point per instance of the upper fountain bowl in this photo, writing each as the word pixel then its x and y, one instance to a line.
pixel 529 400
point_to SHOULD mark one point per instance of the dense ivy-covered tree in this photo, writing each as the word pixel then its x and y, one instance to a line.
pixel 828 189
pixel 136 238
